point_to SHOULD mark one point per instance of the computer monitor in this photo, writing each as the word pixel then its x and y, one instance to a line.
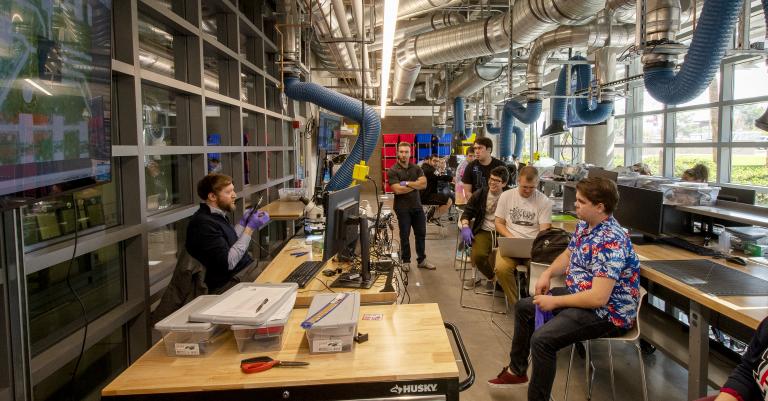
pixel 600 172
pixel 737 195
pixel 569 198
pixel 640 210
pixel 338 205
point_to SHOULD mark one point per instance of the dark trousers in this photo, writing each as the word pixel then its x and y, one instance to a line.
pixel 407 219
pixel 568 326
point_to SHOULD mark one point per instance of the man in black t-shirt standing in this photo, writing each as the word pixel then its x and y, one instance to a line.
pixel 476 173
pixel 406 180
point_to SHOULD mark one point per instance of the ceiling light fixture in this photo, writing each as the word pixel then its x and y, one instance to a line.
pixel 388 39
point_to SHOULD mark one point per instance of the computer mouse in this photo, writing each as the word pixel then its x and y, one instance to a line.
pixel 736 259
pixel 329 273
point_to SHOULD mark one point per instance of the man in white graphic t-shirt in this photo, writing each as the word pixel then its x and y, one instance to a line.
pixel 520 213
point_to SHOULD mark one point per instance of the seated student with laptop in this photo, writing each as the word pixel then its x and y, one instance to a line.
pixel 480 213
pixel 521 213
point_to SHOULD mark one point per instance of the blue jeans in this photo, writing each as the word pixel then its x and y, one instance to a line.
pixel 568 326
pixel 407 218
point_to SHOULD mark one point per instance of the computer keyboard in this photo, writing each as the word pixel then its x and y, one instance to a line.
pixel 688 246
pixel 303 273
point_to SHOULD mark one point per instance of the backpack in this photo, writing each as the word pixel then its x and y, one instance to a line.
pixel 549 244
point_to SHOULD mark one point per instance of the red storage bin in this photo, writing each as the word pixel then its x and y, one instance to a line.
pixel 390 138
pixel 389 151
pixel 389 163
pixel 407 138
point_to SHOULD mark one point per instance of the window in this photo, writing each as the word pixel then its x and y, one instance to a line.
pixel 651 104
pixel 166 179
pixel 164 246
pixel 652 128
pixel 156 47
pixel 710 95
pixel 54 312
pixel 159 116
pixel 654 158
pixel 52 219
pixel 698 125
pixel 101 363
pixel 749 166
pixel 750 79
pixel 744 116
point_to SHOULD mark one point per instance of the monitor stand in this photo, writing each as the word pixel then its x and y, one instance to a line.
pixel 344 281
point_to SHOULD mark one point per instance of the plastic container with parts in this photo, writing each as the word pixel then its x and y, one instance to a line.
pixel 335 330
pixel 689 194
pixel 183 338
pixel 290 194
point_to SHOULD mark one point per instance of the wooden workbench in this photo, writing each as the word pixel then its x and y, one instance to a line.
pixel 409 345
pixel 284 210
pixel 746 310
pixel 283 264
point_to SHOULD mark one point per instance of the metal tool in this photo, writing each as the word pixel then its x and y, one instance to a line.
pixel 264 363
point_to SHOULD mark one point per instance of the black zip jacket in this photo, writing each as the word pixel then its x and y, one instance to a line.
pixel 749 381
pixel 475 209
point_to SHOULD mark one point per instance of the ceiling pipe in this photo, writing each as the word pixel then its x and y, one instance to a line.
pixel 431 22
pixel 475 76
pixel 409 9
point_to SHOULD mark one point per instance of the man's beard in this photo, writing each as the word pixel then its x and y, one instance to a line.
pixel 227 207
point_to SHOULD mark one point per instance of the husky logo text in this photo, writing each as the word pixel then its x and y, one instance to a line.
pixel 413 388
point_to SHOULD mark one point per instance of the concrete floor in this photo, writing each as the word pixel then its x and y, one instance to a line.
pixel 488 346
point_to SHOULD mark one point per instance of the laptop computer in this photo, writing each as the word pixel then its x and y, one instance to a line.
pixel 515 247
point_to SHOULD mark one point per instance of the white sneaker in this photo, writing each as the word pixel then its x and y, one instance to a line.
pixel 405 266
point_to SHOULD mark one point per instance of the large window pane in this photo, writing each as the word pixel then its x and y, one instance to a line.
pixel 696 125
pixel 652 128
pixel 654 158
pixel 101 363
pixel 97 208
pixel 749 166
pixel 156 47
pixel 159 116
pixel 618 156
pixel 744 116
pixel 750 79
pixel 54 312
pixel 619 130
pixel 686 158
pixel 165 177
pixel 650 104
pixel 164 245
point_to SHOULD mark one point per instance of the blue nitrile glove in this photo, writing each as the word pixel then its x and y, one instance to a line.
pixel 403 184
pixel 466 235
pixel 244 220
pixel 260 219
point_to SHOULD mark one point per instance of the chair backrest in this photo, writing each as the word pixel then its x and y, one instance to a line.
pixel 187 283
pixel 536 270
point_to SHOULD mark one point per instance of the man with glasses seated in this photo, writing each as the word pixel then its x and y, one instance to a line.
pixel 480 211
pixel 521 213
pixel 477 172
pixel 433 169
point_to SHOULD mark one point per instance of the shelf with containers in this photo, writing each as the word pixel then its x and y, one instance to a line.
pixel 389 154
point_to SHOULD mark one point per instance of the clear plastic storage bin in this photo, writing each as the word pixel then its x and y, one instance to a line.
pixel 290 194
pixel 189 339
pixel 652 182
pixel 336 331
pixel 252 339
pixel 688 195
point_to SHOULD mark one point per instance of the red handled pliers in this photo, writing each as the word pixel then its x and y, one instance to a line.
pixel 263 363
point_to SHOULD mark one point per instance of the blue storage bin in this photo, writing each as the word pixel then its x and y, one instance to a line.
pixel 446 138
pixel 423 153
pixel 443 150
pixel 423 138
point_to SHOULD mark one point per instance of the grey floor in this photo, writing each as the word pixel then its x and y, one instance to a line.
pixel 488 346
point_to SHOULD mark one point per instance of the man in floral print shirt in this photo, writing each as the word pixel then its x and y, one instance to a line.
pixel 600 299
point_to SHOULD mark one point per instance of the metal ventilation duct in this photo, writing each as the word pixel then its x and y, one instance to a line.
pixel 409 9
pixel 484 37
pixel 433 21
pixel 475 76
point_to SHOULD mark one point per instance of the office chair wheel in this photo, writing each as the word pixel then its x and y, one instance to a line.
pixel 646 347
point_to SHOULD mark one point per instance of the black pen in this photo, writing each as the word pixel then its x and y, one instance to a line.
pixel 264 302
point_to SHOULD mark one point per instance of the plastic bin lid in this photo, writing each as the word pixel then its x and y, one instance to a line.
pixel 279 318
pixel 239 304
pixel 346 314
pixel 179 320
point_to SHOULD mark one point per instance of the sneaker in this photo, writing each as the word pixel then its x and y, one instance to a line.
pixel 405 266
pixel 505 379
pixel 426 265
pixel 471 283
pixel 462 255
pixel 489 287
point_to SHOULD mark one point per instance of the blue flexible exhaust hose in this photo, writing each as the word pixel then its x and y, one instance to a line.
pixel 489 128
pixel 560 104
pixel 458 118
pixel 526 115
pixel 582 106
pixel 708 46
pixel 347 107
pixel 508 128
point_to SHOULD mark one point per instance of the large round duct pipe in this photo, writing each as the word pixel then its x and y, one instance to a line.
pixel 476 76
pixel 347 107
pixel 409 9
pixel 458 118
pixel 433 21
pixel 592 35
pixel 710 40
pixel 485 37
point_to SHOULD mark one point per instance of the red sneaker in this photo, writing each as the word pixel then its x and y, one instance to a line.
pixel 505 379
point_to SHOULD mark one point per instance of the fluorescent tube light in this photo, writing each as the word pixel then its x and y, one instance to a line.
pixel 388 38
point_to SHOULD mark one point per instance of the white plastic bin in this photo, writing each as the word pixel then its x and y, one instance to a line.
pixel 189 339
pixel 686 195
pixel 252 339
pixel 290 194
pixel 336 331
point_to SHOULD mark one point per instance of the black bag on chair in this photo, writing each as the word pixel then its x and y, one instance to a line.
pixel 549 244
